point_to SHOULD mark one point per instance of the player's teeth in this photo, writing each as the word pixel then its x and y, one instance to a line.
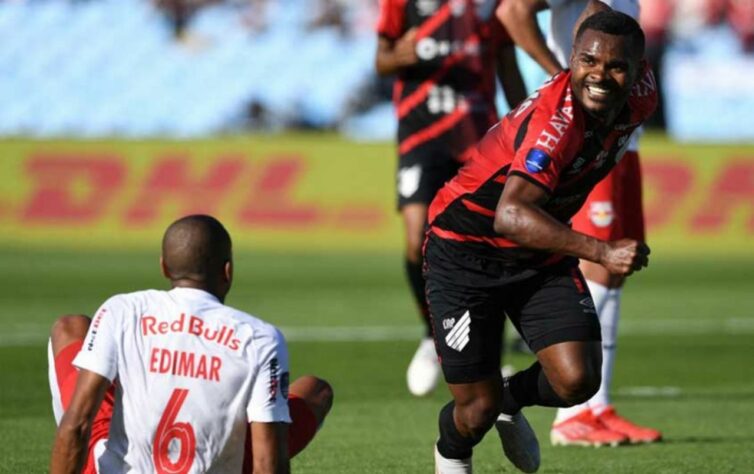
pixel 597 90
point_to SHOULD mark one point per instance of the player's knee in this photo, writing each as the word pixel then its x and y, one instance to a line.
pixel 71 326
pixel 478 416
pixel 316 392
pixel 578 386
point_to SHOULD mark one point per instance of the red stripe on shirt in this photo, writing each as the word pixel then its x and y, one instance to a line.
pixel 433 131
pixel 428 27
pixel 477 208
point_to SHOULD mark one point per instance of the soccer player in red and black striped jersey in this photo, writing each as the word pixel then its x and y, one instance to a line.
pixel 445 54
pixel 500 243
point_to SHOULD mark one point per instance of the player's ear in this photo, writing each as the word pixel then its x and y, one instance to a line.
pixel 164 268
pixel 228 270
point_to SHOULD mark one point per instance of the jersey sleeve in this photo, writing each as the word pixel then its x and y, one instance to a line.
pixel 391 20
pixel 552 136
pixel 99 354
pixel 644 96
pixel 269 394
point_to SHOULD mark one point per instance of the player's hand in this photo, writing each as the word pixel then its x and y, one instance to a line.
pixel 625 256
pixel 405 49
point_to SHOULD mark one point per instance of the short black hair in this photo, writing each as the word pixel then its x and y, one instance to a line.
pixel 615 23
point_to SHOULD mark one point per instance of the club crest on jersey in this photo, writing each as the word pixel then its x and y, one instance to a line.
pixel 537 160
pixel 601 213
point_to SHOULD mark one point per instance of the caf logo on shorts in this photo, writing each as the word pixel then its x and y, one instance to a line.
pixel 408 180
pixel 601 213
pixel 458 337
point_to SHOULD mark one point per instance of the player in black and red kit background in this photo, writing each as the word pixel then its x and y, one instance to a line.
pixel 500 243
pixel 445 54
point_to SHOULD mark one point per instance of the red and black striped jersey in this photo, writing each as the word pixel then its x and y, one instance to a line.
pixel 447 99
pixel 547 141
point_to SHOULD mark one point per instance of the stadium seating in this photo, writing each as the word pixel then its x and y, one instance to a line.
pixel 112 67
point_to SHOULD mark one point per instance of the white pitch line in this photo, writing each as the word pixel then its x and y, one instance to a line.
pixel 29 335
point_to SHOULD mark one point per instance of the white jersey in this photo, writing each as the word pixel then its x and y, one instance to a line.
pixel 563 17
pixel 190 374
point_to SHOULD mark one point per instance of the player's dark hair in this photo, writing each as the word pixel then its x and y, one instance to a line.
pixel 615 23
pixel 196 247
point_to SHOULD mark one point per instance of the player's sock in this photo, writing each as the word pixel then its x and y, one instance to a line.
pixel 600 296
pixel 609 317
pixel 416 282
pixel 57 402
pixel 452 444
pixel 529 387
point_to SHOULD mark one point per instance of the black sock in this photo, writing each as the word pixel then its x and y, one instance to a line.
pixel 452 445
pixel 529 387
pixel 416 282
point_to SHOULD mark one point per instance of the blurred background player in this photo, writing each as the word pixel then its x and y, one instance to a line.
pixel 444 54
pixel 612 211
pixel 158 367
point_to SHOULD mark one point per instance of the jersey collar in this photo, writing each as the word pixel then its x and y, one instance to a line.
pixel 194 294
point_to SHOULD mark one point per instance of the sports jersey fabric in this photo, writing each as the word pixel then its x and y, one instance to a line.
pixel 547 141
pixel 192 373
pixel 447 100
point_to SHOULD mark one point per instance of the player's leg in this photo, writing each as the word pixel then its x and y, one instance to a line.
pixel 66 339
pixel 421 174
pixel 309 400
pixel 556 317
pixel 468 322
pixel 613 211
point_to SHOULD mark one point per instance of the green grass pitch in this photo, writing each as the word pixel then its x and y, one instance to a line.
pixel 685 363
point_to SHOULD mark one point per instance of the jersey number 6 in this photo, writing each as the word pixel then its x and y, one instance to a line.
pixel 168 430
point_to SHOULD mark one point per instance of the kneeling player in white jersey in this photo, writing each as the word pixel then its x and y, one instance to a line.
pixel 612 211
pixel 175 381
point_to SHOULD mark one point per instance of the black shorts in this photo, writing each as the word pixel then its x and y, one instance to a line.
pixel 470 296
pixel 421 174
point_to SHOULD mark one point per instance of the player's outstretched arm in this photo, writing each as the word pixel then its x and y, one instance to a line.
pixel 520 19
pixel 70 448
pixel 520 218
pixel 510 76
pixel 269 445
pixel 392 56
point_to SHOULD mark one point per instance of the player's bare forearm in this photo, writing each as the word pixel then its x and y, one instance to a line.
pixel 520 19
pixel 510 76
pixel 392 56
pixel 72 438
pixel 69 450
pixel 269 443
pixel 520 218
pixel 531 227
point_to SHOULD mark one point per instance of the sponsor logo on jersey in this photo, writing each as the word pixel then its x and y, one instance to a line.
pixel 190 324
pixel 274 380
pixel 426 7
pixel 94 328
pixel 601 213
pixel 557 126
pixel 537 161
pixel 458 337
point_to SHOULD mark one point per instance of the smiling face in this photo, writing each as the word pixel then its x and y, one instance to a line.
pixel 604 69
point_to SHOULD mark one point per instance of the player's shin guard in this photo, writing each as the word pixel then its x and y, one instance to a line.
pixel 529 387
pixel 416 282
pixel 609 317
pixel 453 445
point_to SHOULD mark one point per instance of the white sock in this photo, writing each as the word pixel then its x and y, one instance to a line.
pixel 451 466
pixel 609 316
pixel 600 296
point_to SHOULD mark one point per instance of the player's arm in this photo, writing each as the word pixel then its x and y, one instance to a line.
pixel 520 19
pixel 393 55
pixel 72 438
pixel 510 76
pixel 591 8
pixel 269 442
pixel 520 218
